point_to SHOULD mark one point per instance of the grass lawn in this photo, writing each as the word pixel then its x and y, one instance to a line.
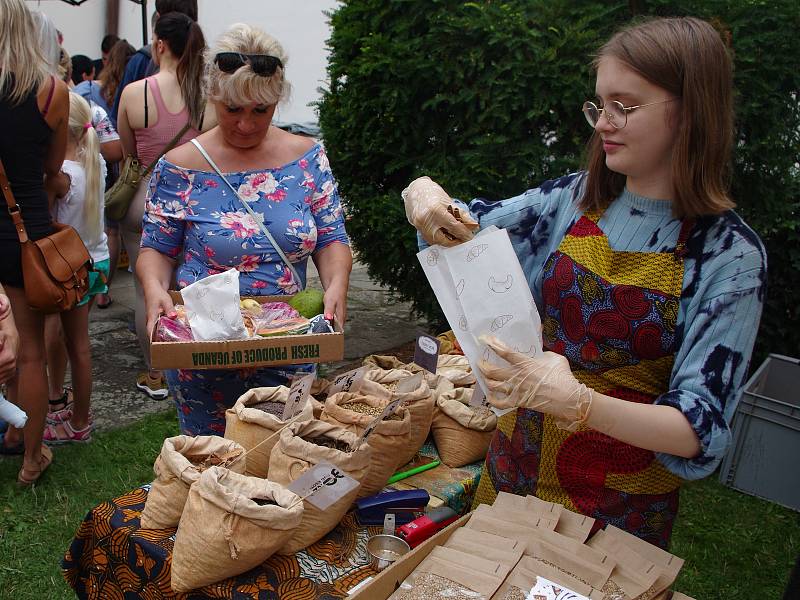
pixel 735 546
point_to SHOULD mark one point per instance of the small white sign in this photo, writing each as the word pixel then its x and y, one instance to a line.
pixel 388 410
pixel 347 382
pixel 547 590
pixel 322 485
pixel 298 395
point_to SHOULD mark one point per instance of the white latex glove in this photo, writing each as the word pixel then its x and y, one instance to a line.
pixel 545 384
pixel 435 215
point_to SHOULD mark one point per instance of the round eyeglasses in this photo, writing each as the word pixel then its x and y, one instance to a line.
pixel 616 114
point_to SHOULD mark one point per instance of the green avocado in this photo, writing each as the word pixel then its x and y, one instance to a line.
pixel 308 303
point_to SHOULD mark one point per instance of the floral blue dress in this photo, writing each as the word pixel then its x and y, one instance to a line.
pixel 193 216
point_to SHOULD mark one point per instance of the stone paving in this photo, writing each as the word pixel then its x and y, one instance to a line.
pixel 375 323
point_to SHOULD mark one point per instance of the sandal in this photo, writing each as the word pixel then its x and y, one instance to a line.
pixel 64 410
pixel 44 462
pixel 67 434
pixel 108 300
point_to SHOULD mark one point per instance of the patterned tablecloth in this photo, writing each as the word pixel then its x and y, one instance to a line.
pixel 111 558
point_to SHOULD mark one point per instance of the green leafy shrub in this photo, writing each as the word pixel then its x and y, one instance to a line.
pixel 485 98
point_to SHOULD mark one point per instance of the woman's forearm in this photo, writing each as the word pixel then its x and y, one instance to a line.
pixel 154 270
pixel 652 427
pixel 334 263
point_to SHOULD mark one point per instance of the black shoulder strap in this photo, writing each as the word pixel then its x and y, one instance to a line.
pixel 145 103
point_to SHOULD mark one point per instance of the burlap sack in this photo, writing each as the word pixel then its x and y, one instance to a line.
pixel 175 473
pixel 462 434
pixel 387 377
pixel 293 455
pixel 383 362
pixel 420 404
pixel 250 426
pixel 389 440
pixel 228 527
pixel 451 367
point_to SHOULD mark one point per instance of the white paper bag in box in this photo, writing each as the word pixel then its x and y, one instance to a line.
pixel 212 307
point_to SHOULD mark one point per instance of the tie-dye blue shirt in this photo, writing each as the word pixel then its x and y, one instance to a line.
pixel 723 293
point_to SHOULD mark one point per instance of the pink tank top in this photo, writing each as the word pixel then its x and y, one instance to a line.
pixel 150 142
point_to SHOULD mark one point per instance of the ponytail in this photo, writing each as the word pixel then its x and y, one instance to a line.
pixel 187 43
pixel 83 134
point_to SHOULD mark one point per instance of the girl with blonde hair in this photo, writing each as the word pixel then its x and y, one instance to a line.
pixel 79 203
pixel 34 109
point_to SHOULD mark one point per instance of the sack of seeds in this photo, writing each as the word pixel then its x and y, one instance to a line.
pixel 486 545
pixel 450 367
pixel 255 417
pixel 231 524
pixel 462 432
pixel 420 404
pixel 390 439
pixel 179 464
pixel 383 362
pixel 448 573
pixel 388 378
pixel 303 446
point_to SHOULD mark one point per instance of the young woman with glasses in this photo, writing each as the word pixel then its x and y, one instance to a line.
pixel 649 286
pixel 195 213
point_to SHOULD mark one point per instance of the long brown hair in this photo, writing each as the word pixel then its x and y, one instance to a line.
pixel 687 58
pixel 186 42
pixel 112 73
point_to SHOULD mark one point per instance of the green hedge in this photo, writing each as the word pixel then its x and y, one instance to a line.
pixel 485 98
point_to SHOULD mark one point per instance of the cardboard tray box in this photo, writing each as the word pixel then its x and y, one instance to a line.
pixel 249 353
pixel 387 581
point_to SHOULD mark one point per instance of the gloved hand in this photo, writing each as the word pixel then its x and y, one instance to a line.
pixel 433 213
pixel 545 384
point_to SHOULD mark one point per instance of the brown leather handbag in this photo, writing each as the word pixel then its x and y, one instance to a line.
pixel 55 269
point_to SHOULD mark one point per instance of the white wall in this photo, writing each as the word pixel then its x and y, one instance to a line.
pixel 299 25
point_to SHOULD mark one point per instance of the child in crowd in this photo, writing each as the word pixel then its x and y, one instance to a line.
pixel 79 202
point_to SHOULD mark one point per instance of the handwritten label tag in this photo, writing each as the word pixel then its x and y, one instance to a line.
pixel 322 485
pixel 426 353
pixel 390 408
pixel 409 384
pixel 547 590
pixel 298 395
pixel 348 382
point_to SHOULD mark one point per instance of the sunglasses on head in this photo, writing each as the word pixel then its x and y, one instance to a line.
pixel 262 64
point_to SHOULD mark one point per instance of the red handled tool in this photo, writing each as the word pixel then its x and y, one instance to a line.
pixel 421 528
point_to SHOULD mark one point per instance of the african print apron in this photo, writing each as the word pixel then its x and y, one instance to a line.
pixel 613 315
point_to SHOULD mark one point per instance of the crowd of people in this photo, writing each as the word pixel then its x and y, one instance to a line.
pixel 649 286
pixel 68 124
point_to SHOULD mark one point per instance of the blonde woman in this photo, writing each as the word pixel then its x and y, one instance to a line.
pixel 151 112
pixel 34 109
pixel 193 214
pixel 79 202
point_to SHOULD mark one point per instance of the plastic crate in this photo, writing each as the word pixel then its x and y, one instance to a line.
pixel 765 451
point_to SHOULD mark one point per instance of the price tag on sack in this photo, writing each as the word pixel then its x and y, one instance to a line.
pixel 409 384
pixel 322 485
pixel 298 395
pixel 348 382
pixel 426 353
pixel 390 408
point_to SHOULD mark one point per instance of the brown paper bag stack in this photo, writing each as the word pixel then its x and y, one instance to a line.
pixel 250 426
pixel 389 440
pixel 177 467
pixel 462 432
pixel 231 524
pixel 450 573
pixel 297 451
pixel 419 402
